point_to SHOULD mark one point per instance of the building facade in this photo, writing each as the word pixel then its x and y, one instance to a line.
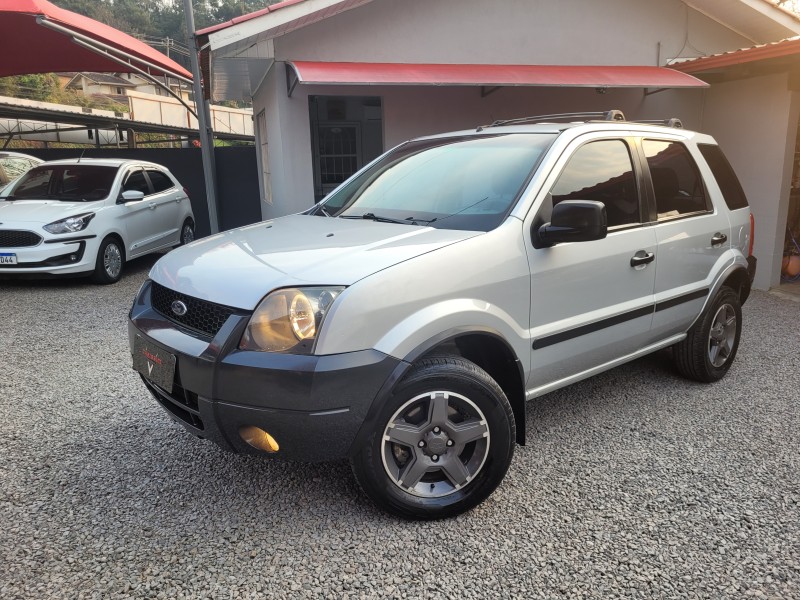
pixel 335 83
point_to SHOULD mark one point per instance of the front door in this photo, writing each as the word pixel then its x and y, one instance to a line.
pixel 590 303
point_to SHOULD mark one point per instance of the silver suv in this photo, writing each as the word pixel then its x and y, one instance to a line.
pixel 404 321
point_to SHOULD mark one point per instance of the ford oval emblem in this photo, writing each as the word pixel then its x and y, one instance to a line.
pixel 179 308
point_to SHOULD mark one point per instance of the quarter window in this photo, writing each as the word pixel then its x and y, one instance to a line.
pixel 602 171
pixel 677 184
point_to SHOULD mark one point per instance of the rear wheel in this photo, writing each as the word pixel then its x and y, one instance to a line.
pixel 711 344
pixel 187 232
pixel 109 262
pixel 441 444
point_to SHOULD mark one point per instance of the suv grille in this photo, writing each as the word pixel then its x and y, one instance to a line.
pixel 10 238
pixel 201 316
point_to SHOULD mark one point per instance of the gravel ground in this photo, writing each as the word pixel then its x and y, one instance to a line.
pixel 634 484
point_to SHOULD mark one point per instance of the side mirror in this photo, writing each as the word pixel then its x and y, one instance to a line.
pixel 131 196
pixel 574 221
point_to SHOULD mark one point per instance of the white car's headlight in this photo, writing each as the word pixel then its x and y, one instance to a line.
pixel 288 320
pixel 70 224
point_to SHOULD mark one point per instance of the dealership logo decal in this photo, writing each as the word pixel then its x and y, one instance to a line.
pixel 179 308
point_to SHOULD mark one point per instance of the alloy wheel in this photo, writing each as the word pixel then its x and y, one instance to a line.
pixel 435 444
pixel 722 336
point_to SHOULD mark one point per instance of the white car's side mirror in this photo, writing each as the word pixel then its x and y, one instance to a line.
pixel 132 196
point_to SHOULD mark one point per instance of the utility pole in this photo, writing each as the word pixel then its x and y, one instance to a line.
pixel 203 119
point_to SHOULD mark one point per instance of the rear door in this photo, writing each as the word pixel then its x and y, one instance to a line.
pixel 591 302
pixel 692 234
pixel 165 198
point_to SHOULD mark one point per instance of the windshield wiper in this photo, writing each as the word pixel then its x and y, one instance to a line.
pixel 373 217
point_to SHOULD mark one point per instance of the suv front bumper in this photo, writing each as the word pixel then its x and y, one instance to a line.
pixel 313 406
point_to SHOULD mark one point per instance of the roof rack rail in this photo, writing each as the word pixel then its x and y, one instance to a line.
pixel 608 115
pixel 673 122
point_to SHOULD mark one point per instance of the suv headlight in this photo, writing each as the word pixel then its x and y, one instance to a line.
pixel 70 224
pixel 288 320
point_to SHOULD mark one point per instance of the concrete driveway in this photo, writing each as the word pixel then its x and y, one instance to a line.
pixel 636 483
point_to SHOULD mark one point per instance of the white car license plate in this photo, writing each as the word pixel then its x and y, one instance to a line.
pixel 6 258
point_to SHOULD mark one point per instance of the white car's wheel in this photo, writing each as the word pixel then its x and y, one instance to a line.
pixel 109 263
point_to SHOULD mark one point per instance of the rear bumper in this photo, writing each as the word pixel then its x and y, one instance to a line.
pixel 751 274
pixel 313 406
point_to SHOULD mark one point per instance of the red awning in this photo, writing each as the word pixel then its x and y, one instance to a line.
pixel 336 73
pixel 28 45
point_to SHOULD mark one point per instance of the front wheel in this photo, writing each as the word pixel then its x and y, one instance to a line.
pixel 109 262
pixel 441 444
pixel 711 344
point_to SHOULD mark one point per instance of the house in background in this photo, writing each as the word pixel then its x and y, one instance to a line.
pixel 336 82
pixel 116 85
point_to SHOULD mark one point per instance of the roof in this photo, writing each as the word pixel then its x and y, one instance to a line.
pixel 44 38
pixel 596 76
pixel 747 14
pixel 782 49
pixel 105 78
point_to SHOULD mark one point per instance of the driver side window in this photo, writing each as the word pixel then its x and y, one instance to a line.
pixel 602 171
pixel 136 182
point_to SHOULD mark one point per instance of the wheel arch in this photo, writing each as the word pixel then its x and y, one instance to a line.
pixel 117 236
pixel 482 346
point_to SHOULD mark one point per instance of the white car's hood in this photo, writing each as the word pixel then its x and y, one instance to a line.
pixel 239 267
pixel 41 211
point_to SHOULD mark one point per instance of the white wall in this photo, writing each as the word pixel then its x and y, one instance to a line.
pixel 755 122
pixel 621 32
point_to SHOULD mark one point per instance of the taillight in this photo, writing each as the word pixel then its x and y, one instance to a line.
pixel 185 191
pixel 752 234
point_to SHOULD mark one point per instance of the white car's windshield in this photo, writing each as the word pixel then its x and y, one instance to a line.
pixel 468 183
pixel 70 183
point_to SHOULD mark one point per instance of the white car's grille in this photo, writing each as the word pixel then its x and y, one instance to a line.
pixel 12 238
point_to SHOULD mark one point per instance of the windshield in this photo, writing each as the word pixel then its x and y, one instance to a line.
pixel 469 183
pixel 69 183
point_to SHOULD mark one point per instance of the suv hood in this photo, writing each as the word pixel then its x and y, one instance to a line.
pixel 239 267
pixel 41 211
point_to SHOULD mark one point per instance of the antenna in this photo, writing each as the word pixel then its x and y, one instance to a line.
pixel 81 156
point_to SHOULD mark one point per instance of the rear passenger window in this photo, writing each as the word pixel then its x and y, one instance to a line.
pixel 726 179
pixel 677 183
pixel 160 181
pixel 602 171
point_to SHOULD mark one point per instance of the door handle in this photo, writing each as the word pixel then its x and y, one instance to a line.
pixel 152 206
pixel 641 258
pixel 719 238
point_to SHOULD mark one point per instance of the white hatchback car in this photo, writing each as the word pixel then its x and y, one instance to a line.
pixel 89 216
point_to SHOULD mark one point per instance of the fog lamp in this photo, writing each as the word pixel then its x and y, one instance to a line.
pixel 258 438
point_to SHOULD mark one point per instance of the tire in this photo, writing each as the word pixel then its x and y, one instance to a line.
pixel 711 344
pixel 187 233
pixel 110 262
pixel 450 428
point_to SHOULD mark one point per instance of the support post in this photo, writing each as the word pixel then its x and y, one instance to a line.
pixel 203 119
